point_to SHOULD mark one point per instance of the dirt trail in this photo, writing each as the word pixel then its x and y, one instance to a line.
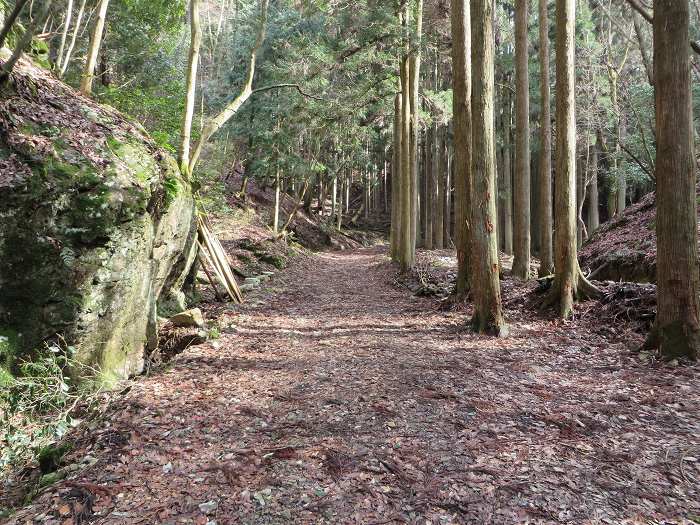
pixel 337 397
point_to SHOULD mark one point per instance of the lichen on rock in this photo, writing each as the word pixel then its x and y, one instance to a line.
pixel 97 226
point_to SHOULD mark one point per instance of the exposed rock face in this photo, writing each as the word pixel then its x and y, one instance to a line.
pixel 97 227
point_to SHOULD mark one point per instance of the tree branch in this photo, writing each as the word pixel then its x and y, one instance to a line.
pixel 639 162
pixel 634 4
pixel 10 21
pixel 279 86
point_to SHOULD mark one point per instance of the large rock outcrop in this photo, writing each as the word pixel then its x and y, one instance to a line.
pixel 97 227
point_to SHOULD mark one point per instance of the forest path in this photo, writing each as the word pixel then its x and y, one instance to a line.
pixel 337 397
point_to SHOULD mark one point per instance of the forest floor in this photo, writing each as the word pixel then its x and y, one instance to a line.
pixel 337 396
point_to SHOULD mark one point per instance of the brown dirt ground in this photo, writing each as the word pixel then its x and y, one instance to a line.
pixel 335 396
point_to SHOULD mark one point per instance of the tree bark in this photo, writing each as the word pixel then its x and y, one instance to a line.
pixel 507 177
pixel 414 80
pixel 395 180
pixel 64 34
pixel 677 329
pixel 545 182
pixel 593 213
pixel 276 218
pixel 461 103
pixel 485 283
pixel 569 283
pixel 521 180
pixel 447 214
pixel 74 37
pixel 94 49
pixel 429 185
pixel 190 86
pixel 438 204
pixel 406 251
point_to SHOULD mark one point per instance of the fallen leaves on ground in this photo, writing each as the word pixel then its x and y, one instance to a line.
pixel 339 397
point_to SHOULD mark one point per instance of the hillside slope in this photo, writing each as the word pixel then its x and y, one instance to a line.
pixel 624 248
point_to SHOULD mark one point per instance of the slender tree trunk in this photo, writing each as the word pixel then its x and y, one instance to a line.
pixel 580 194
pixel 64 34
pixel 9 21
pixel 447 222
pixel 569 283
pixel 488 315
pixel 438 206
pixel 414 80
pixel 94 49
pixel 215 124
pixel 369 174
pixel 646 60
pixel 534 205
pixel 395 180
pixel 677 329
pixel 429 185
pixel 507 178
pixel 593 213
pixel 74 37
pixel 521 180
pixel 461 103
pixel 385 187
pixel 406 251
pixel 276 219
pixel 190 86
pixel 25 41
pixel 334 194
pixel 545 182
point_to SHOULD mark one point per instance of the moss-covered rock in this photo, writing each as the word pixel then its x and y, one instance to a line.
pixel 97 226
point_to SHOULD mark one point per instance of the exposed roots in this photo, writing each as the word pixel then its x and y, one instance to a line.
pixel 564 292
pixel 489 325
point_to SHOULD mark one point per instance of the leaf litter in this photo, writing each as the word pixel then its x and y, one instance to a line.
pixel 338 396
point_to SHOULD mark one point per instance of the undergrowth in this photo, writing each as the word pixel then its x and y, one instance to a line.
pixel 38 405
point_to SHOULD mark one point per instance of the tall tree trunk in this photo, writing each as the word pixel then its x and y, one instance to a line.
pixel 593 212
pixel 276 218
pixel 414 80
pixel 438 204
pixel 580 194
pixel 461 102
pixel 191 86
pixel 94 49
pixel 429 185
pixel 508 177
pixel 569 283
pixel 395 181
pixel 64 34
pixel 447 214
pixel 74 37
pixel 215 124
pixel 646 60
pixel 488 315
pixel 534 205
pixel 334 194
pixel 406 251
pixel 545 182
pixel 521 180
pixel 677 329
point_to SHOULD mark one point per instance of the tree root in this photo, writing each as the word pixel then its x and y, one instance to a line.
pixel 565 294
